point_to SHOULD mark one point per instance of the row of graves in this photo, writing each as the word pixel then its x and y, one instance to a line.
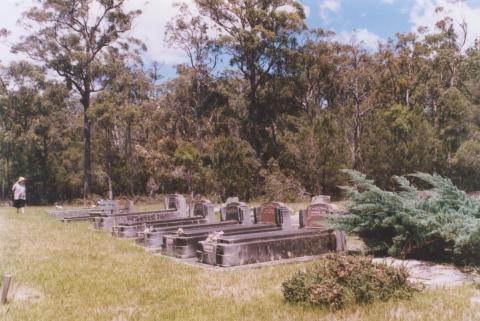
pixel 240 236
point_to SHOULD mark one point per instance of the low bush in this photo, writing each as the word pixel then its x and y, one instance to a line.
pixel 341 280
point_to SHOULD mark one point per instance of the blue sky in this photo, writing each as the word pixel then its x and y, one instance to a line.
pixel 379 17
pixel 367 21
pixel 378 20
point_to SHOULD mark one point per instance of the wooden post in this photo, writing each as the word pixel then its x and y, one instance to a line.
pixel 5 286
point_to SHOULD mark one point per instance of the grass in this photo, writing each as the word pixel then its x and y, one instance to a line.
pixel 70 272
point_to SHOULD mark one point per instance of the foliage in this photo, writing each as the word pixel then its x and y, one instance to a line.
pixel 339 281
pixel 235 166
pixel 441 223
pixel 278 186
pixel 293 107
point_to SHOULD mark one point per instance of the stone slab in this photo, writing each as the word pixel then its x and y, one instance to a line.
pixel 431 274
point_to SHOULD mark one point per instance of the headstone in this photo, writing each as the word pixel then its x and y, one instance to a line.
pixel 205 209
pixel 232 200
pixel 316 216
pixel 274 213
pixel 236 211
pixel 321 199
pixel 175 201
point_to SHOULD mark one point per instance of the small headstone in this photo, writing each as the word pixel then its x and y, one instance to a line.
pixel 316 216
pixel 232 200
pixel 205 209
pixel 236 211
pixel 321 199
pixel 274 213
pixel 175 201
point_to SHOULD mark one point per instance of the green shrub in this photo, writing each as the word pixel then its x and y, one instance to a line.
pixel 441 223
pixel 341 280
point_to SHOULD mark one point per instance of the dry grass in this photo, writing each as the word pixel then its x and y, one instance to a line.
pixel 70 272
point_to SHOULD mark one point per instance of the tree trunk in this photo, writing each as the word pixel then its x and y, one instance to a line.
pixel 109 163
pixel 253 113
pixel 129 153
pixel 87 159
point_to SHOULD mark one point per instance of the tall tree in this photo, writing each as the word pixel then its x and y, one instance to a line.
pixel 254 33
pixel 75 38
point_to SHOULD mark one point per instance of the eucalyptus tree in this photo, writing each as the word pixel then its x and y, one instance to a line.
pixel 255 33
pixel 75 38
pixel 192 34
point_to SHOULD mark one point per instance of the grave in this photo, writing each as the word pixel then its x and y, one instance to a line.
pixel 185 243
pixel 82 214
pixel 176 207
pixel 152 238
pixel 317 214
pixel 313 238
pixel 202 212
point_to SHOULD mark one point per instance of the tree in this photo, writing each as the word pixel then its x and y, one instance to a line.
pixel 36 131
pixel 235 166
pixel 75 38
pixel 255 33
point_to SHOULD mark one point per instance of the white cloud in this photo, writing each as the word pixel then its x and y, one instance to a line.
pixel 389 1
pixel 11 12
pixel 361 36
pixel 329 6
pixel 423 14
pixel 149 27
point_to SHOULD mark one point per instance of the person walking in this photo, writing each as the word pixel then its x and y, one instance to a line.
pixel 19 194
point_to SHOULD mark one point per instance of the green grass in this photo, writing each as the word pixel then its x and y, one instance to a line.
pixel 70 272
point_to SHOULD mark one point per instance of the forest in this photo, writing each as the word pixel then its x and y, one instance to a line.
pixel 265 107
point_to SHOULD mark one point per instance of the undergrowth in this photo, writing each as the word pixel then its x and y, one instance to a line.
pixel 341 280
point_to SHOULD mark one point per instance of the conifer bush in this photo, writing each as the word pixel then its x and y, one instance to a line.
pixel 439 223
pixel 341 280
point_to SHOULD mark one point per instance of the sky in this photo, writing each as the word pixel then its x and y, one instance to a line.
pixel 367 21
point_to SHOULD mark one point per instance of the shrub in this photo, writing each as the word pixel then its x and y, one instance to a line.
pixel 340 280
pixel 441 223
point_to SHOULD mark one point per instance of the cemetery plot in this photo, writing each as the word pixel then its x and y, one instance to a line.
pixel 177 208
pixel 152 239
pixel 83 214
pixel 186 243
pixel 233 212
pixel 239 238
pixel 203 212
pixel 312 239
pixel 131 230
pixel 233 250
